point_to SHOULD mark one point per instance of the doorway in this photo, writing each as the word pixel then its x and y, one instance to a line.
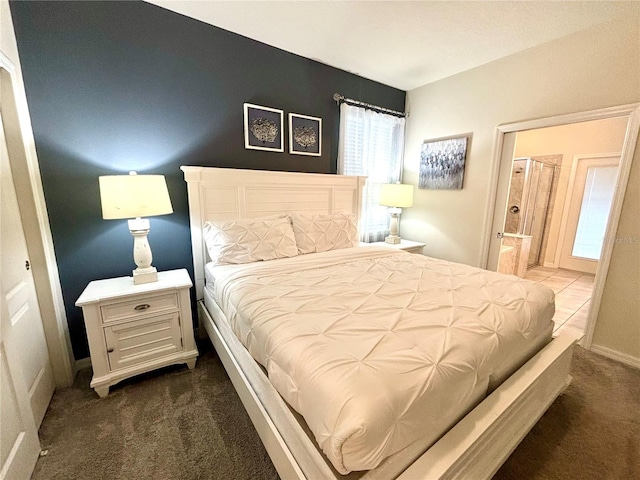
pixel 511 140
pixel 26 376
pixel 35 352
pixel 30 195
pixel 559 203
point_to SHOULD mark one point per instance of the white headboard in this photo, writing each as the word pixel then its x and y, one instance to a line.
pixel 230 194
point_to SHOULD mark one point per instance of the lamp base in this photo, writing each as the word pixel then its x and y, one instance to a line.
pixel 145 275
pixel 394 229
pixel 393 239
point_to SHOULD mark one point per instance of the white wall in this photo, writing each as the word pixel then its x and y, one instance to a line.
pixel 596 68
pixel 617 332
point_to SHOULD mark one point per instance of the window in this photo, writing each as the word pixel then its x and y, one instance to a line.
pixel 594 212
pixel 371 144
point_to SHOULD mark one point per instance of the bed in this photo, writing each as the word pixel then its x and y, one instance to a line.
pixel 487 394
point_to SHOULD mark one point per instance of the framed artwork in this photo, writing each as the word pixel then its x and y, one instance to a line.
pixel 442 162
pixel 263 128
pixel 305 135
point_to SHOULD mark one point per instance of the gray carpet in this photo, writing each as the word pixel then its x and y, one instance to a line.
pixel 182 424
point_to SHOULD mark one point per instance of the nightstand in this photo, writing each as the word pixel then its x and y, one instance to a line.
pixel 134 329
pixel 406 245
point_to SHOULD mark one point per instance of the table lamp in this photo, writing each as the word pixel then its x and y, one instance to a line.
pixel 135 196
pixel 396 196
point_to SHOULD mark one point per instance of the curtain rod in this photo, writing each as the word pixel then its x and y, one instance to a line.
pixel 340 98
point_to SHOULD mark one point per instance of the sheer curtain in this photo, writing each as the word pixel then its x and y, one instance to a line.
pixel 371 144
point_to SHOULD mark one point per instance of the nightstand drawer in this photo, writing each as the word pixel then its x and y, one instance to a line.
pixel 142 340
pixel 137 308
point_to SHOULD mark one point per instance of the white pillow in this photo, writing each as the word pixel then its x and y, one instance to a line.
pixel 320 233
pixel 249 240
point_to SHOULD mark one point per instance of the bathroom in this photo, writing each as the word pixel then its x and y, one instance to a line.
pixel 562 184
pixel 547 190
pixel 534 183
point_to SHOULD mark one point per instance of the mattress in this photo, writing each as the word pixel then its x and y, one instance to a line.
pixel 379 349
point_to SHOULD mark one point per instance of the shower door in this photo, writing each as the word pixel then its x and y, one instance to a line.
pixel 537 207
pixel 589 208
pixel 530 190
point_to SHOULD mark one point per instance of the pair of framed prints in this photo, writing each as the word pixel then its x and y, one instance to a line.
pixel 264 130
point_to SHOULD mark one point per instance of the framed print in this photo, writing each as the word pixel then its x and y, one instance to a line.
pixel 442 162
pixel 305 135
pixel 263 128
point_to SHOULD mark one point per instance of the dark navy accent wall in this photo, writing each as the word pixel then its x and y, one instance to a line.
pixel 119 86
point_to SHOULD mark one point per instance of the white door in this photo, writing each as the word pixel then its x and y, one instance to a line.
pixel 27 376
pixel 19 445
pixel 590 203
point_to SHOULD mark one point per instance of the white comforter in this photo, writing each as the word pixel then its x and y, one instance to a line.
pixel 373 346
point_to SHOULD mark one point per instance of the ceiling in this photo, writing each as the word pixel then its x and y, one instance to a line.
pixel 404 44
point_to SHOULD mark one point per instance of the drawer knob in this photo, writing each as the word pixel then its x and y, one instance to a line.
pixel 109 350
pixel 144 306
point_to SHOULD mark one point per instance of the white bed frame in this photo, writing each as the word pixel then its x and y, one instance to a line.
pixel 473 449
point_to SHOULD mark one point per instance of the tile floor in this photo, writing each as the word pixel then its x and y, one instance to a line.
pixel 573 295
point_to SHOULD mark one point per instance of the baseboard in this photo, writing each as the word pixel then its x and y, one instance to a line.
pixel 615 355
pixel 82 363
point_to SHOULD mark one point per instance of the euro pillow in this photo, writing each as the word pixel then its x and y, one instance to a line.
pixel 320 233
pixel 249 240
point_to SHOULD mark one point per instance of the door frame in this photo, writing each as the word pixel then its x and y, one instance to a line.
pixel 508 131
pixel 26 176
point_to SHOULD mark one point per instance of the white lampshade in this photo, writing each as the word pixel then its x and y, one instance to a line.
pixel 134 196
pixel 131 196
pixel 396 195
